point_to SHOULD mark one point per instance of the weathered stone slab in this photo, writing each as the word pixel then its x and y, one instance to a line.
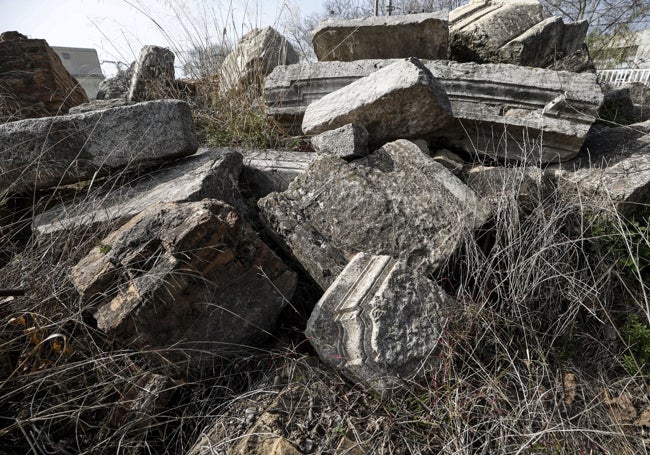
pixel 379 322
pixel 153 74
pixel 348 142
pixel 396 201
pixel 612 175
pixel 42 153
pixel 266 171
pixel 503 111
pixel 256 54
pixel 188 276
pixel 211 173
pixel 33 81
pixel 423 35
pixel 516 32
pixel 402 100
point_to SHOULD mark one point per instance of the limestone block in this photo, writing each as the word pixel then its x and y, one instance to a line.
pixel 348 142
pixel 402 100
pixel 423 35
pixel 266 171
pixel 502 111
pixel 211 173
pixel 153 74
pixel 396 201
pixel 516 32
pixel 379 322
pixel 255 56
pixel 190 276
pixel 46 152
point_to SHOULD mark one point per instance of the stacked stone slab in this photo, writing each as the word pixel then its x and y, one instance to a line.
pixel 503 31
pixel 348 142
pixel 211 173
pixel 402 100
pixel 189 276
pixel 396 201
pixel 46 152
pixel 266 171
pixel 33 81
pixel 502 111
pixel 255 56
pixel 413 35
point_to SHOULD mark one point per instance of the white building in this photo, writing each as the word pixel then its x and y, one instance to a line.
pixel 83 64
pixel 636 65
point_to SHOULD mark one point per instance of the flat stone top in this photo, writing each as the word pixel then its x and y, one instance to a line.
pixel 372 21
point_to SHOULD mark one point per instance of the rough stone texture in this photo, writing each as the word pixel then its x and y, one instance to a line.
pixel 640 95
pixel 187 275
pixel 33 81
pixel 612 174
pixel 516 32
pixel 395 201
pixel 116 86
pixel 153 74
pixel 617 107
pixel 423 35
pixel 348 142
pixel 266 171
pixel 402 100
pixel 504 111
pixel 578 62
pixel 379 322
pixel 496 185
pixel 256 54
pixel 96 105
pixel 450 160
pixel 211 173
pixel 41 153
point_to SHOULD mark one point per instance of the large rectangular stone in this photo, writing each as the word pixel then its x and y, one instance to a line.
pixel 412 35
pixel 504 111
pixel 46 152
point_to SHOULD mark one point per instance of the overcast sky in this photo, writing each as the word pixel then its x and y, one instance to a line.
pixel 119 28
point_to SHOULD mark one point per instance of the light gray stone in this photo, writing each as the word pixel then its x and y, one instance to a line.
pixel 266 171
pixel 502 111
pixel 153 74
pixel 212 173
pixel 402 100
pixel 423 35
pixel 395 201
pixel 116 87
pixel 380 322
pixel 516 32
pixel 256 54
pixel 612 176
pixel 186 278
pixel 46 152
pixel 348 142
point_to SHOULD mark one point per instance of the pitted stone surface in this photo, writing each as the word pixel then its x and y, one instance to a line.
pixel 348 142
pixel 51 151
pixel 402 100
pixel 153 74
pixel 396 201
pixel 379 321
pixel 423 35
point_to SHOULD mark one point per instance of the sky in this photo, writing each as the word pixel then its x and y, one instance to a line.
pixel 117 29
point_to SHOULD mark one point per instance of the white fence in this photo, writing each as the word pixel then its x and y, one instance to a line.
pixel 616 78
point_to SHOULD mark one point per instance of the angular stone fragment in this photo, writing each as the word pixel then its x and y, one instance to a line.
pixel 211 173
pixel 402 100
pixel 42 153
pixel 256 54
pixel 348 142
pixel 450 160
pixel 413 35
pixel 503 111
pixel 612 175
pixel 189 276
pixel 116 86
pixel 33 81
pixel 153 74
pixel 516 32
pixel 395 201
pixel 266 171
pixel 379 322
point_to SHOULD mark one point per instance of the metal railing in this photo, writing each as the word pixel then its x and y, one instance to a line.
pixel 623 76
